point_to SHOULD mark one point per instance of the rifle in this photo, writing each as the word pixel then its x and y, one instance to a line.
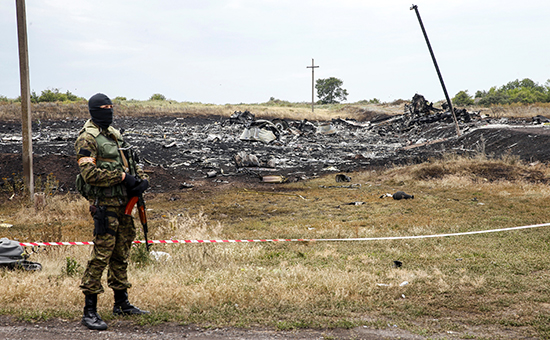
pixel 138 199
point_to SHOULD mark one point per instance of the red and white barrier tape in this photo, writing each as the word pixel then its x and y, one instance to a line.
pixel 161 242
pixel 296 239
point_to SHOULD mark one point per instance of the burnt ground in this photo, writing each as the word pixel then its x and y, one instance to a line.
pixel 182 152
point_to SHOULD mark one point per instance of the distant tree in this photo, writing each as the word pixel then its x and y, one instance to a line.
pixel 72 97
pixel 51 95
pixel 526 95
pixel 524 91
pixel 157 96
pixel 54 95
pixel 120 99
pixel 374 101
pixel 462 98
pixel 34 97
pixel 330 90
pixel 492 97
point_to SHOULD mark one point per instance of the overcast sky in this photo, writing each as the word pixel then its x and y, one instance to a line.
pixel 246 51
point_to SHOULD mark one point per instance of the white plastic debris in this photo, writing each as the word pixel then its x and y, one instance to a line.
pixel 330 168
pixel 160 255
pixel 404 283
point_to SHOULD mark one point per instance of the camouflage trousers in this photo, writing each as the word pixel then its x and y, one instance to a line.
pixel 113 251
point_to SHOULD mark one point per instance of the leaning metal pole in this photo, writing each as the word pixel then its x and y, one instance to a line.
pixel 415 7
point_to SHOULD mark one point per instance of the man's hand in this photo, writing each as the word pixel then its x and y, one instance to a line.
pixel 139 189
pixel 129 180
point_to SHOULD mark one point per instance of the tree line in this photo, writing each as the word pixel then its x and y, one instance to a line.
pixel 525 91
pixel 330 91
pixel 47 96
pixel 55 95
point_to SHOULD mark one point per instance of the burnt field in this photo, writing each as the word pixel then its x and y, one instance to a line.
pixel 180 152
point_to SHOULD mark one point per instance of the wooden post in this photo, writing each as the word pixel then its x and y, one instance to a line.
pixel 312 67
pixel 26 119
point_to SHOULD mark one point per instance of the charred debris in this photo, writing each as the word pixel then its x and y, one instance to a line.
pixel 274 151
pixel 282 150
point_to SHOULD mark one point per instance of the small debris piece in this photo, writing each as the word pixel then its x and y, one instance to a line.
pixel 242 159
pixel 273 179
pixel 539 119
pixel 356 203
pixel 160 255
pixel 402 195
pixel 169 145
pixel 342 178
pixel 186 186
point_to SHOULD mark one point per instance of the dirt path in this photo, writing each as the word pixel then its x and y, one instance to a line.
pixel 121 330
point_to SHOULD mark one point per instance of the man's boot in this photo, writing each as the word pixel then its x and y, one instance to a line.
pixel 122 305
pixel 91 319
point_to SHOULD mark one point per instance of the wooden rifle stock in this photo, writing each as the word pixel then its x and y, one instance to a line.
pixel 142 214
pixel 139 200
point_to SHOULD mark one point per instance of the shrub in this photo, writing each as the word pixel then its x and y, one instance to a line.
pixel 369 101
pixel 524 91
pixel 34 97
pixel 157 96
pixel 54 95
pixel 462 98
pixel 72 267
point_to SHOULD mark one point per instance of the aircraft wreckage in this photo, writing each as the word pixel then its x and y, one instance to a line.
pixel 280 150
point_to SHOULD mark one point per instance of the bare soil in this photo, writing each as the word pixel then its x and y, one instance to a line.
pixel 181 152
pixel 11 329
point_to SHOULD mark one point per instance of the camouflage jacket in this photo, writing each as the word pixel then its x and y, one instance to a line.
pixel 102 164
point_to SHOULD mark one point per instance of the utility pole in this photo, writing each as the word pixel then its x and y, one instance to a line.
pixel 312 67
pixel 415 7
pixel 26 119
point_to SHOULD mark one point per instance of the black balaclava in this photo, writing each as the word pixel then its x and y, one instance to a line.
pixel 101 117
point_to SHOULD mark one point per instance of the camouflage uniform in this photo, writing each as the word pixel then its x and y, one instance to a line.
pixel 100 181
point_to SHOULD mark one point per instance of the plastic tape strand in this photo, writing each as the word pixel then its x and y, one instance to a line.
pixel 298 239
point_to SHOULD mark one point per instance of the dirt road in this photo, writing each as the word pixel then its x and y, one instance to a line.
pixel 123 330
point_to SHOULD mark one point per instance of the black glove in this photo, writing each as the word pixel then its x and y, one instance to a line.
pixel 129 181
pixel 139 188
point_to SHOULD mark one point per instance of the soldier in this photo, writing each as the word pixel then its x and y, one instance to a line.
pixel 105 181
